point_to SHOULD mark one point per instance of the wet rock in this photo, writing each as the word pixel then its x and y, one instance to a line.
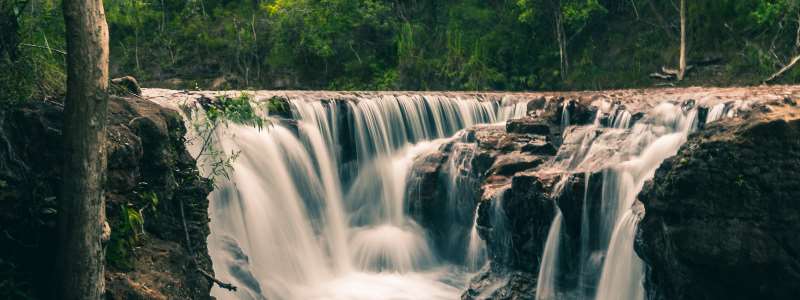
pixel 528 125
pixel 128 84
pixel 722 217
pixel 537 104
pixel 581 112
pixel 501 285
pixel 513 163
pixel 515 225
pixel 539 147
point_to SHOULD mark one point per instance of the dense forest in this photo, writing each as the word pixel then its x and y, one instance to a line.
pixel 407 44
pixel 110 191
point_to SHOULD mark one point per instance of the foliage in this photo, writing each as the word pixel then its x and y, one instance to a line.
pixel 410 45
pixel 127 230
pixel 237 110
pixel 31 62
pixel 125 234
pixel 278 105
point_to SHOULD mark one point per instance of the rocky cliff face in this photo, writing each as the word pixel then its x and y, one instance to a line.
pixel 723 216
pixel 520 193
pixel 720 218
pixel 150 174
pixel 500 170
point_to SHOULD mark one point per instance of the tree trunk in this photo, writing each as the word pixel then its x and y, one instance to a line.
pixel 561 39
pixel 81 256
pixel 682 62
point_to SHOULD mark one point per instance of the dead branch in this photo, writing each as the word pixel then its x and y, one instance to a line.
pixel 662 76
pixel 219 283
pixel 783 70
pixel 43 47
pixel 668 73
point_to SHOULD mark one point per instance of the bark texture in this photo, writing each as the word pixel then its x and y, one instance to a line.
pixel 682 62
pixel 81 258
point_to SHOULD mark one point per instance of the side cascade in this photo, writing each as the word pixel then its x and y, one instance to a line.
pixel 620 153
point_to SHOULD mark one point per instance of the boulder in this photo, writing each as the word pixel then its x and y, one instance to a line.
pixel 723 216
pixel 128 85
pixel 149 172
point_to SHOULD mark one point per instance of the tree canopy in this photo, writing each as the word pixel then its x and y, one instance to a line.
pixel 410 44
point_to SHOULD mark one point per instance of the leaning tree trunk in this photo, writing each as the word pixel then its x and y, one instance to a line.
pixel 80 262
pixel 682 59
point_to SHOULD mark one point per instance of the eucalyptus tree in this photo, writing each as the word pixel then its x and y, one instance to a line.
pixel 82 226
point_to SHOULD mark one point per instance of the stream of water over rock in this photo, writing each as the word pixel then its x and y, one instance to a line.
pixel 317 209
pixel 297 221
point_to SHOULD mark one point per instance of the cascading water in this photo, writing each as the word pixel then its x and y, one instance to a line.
pixel 476 249
pixel 627 155
pixel 545 285
pixel 292 222
pixel 315 207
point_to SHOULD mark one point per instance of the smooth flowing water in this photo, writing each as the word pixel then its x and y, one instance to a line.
pixel 317 210
pixel 315 207
pixel 624 155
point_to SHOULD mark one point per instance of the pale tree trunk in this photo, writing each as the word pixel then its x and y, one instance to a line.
pixel 561 39
pixel 81 257
pixel 682 62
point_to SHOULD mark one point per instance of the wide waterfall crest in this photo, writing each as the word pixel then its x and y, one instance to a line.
pixel 314 209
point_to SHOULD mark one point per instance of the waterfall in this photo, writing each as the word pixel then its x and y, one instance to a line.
pixel 388 240
pixel 315 209
pixel 622 119
pixel 476 249
pixel 545 285
pixel 267 202
pixel 512 109
pixel 627 155
pixel 623 272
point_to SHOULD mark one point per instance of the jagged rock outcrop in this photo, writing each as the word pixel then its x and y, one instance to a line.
pixel 126 86
pixel 723 216
pixel 493 156
pixel 150 174
pixel 515 194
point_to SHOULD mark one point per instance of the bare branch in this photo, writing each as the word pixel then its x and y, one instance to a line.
pixel 783 70
pixel 46 48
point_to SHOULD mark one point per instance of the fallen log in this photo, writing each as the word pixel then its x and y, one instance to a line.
pixel 669 74
pixel 662 76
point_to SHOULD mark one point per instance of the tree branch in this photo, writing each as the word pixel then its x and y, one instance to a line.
pixel 46 48
pixel 783 70
pixel 220 283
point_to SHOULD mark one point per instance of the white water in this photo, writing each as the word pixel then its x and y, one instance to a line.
pixel 297 222
pixel 545 285
pixel 623 272
pixel 628 155
pixel 293 222
pixel 476 249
